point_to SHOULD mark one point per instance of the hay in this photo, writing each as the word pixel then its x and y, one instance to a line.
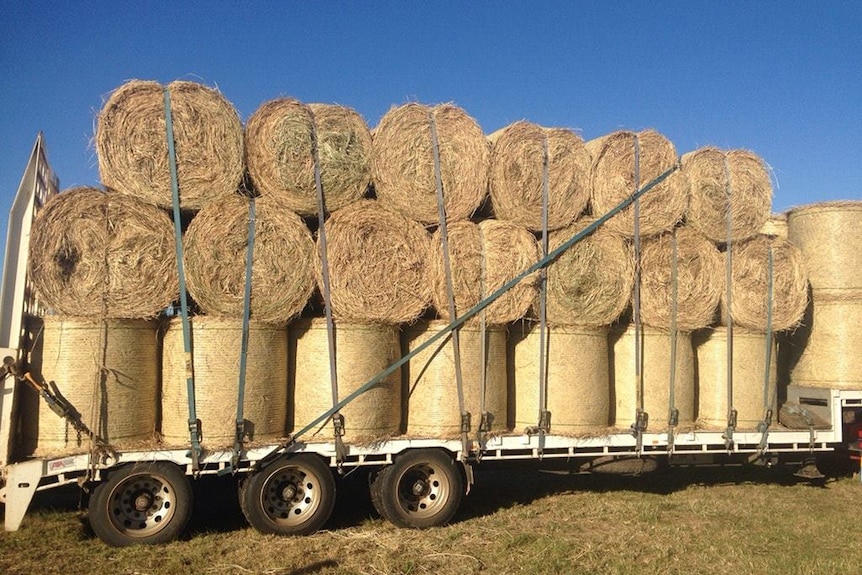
pixel 278 139
pixel 378 265
pixel 216 356
pixel 775 226
pixel 590 284
pixel 483 257
pixel 824 350
pixel 749 366
pixel 614 181
pixel 829 235
pixel 576 363
pixel 98 254
pixel 750 193
pixel 107 371
pixel 283 263
pixel 749 289
pixel 655 371
pixel 432 392
pixel 362 351
pixel 403 162
pixel 700 280
pixel 132 149
pixel 516 178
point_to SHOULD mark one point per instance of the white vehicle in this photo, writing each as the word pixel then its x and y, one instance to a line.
pixel 288 488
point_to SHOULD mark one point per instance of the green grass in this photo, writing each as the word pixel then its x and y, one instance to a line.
pixel 686 522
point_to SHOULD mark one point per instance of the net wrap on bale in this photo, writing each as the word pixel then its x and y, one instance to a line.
pixel 403 162
pixel 132 145
pixel 103 255
pixel 516 177
pixel 278 139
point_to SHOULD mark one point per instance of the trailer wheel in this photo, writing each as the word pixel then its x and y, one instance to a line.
pixel 291 496
pixel 422 488
pixel 148 503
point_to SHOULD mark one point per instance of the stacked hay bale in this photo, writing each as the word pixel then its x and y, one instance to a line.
pixel 823 351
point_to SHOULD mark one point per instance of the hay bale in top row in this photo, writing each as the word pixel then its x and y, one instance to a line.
pixel 614 180
pixel 517 175
pixel 403 162
pixel 132 148
pixel 279 138
pixel 216 248
pixel 483 257
pixel 106 255
pixel 726 184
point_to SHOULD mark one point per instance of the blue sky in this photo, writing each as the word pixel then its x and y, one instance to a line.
pixel 780 78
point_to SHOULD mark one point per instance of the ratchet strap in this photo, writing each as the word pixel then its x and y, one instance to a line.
pixel 673 412
pixel 337 417
pixel 487 419
pixel 763 426
pixel 731 411
pixel 641 416
pixel 194 422
pixel 544 424
pixel 447 265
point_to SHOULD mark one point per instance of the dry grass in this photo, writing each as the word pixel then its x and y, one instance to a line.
pixel 717 522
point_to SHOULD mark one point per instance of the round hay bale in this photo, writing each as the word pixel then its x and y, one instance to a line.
pixel 824 350
pixel 216 359
pixel 655 371
pixel 362 351
pixel 829 234
pixel 775 226
pixel 516 179
pixel 750 281
pixel 278 144
pixel 216 247
pixel 749 365
pixel 432 392
pixel 483 257
pixel 700 280
pixel 132 145
pixel 614 181
pixel 378 265
pixel 578 391
pixel 590 284
pixel 403 162
pixel 98 254
pixel 749 186
pixel 108 371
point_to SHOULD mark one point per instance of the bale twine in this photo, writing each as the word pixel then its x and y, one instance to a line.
pixel 750 281
pixel 655 371
pixel 700 277
pixel 403 162
pixel 516 176
pixel 132 148
pixel 216 356
pixel 483 257
pixel 829 235
pixel 775 226
pixel 109 372
pixel 432 390
pixel 744 175
pixel 614 181
pixel 749 367
pixel 576 362
pixel 216 248
pixel 94 254
pixel 362 351
pixel 378 265
pixel 278 147
pixel 824 350
pixel 590 284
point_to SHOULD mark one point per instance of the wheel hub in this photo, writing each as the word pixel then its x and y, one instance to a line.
pixel 143 501
pixel 420 487
pixel 288 492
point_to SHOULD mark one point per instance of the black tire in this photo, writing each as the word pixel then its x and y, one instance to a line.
pixel 422 488
pixel 291 496
pixel 143 503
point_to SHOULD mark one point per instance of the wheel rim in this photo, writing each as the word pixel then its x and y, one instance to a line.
pixel 142 505
pixel 423 490
pixel 291 495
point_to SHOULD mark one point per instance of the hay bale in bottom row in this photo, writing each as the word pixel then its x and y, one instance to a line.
pixel 216 358
pixel 108 371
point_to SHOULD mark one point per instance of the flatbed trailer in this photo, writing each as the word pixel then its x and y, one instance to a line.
pixel 288 487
